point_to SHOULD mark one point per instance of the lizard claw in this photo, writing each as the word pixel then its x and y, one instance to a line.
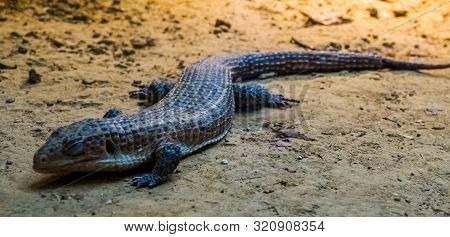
pixel 149 180
pixel 279 101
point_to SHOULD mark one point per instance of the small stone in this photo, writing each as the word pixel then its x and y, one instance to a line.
pixel 224 162
pixel 14 34
pixel 373 12
pixel 10 100
pixel 333 46
pixel 127 52
pixel 181 65
pixel 389 45
pixel 96 50
pixel 77 196
pixel 87 82
pixel 32 34
pixel 438 127
pixel 95 35
pixel 80 17
pixel 8 162
pixel 400 13
pixel 120 65
pixel 3 66
pixel 220 22
pixel 138 43
pixel 397 199
pixel 22 50
pixel 136 83
pixel 55 43
pixel 33 77
pixel 109 201
pixel 107 42
pixel 282 143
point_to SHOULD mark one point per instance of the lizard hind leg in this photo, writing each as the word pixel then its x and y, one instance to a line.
pixel 153 92
pixel 255 97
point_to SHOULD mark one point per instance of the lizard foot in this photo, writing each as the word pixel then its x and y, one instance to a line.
pixel 150 180
pixel 279 101
pixel 153 92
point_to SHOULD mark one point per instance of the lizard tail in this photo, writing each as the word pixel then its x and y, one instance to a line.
pixel 253 65
pixel 402 65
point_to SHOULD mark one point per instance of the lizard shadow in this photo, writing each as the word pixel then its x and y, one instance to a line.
pixel 58 181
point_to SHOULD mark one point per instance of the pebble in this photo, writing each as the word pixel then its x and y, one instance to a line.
pixel 282 143
pixel 373 12
pixel 33 77
pixel 96 50
pixel 224 162
pixel 139 43
pixel 127 52
pixel 32 34
pixel 8 162
pixel 87 82
pixel 220 23
pixel 55 43
pixel 389 45
pixel 10 100
pixel 400 13
pixel 95 35
pixel 14 34
pixel 438 127
pixel 22 50
pixel 293 133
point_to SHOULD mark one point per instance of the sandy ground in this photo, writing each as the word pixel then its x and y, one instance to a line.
pixel 381 139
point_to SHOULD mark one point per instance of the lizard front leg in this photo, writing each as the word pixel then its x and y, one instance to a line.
pixel 168 157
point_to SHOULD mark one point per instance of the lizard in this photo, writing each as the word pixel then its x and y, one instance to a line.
pixel 188 115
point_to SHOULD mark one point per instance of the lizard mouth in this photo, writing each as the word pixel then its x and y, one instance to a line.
pixel 61 167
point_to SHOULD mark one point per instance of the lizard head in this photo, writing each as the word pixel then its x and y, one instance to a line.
pixel 77 147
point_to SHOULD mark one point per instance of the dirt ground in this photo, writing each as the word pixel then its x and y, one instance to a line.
pixel 380 140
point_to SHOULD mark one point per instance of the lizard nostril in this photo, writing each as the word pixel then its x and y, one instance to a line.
pixel 40 158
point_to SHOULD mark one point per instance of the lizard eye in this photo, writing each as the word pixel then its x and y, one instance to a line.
pixel 74 148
